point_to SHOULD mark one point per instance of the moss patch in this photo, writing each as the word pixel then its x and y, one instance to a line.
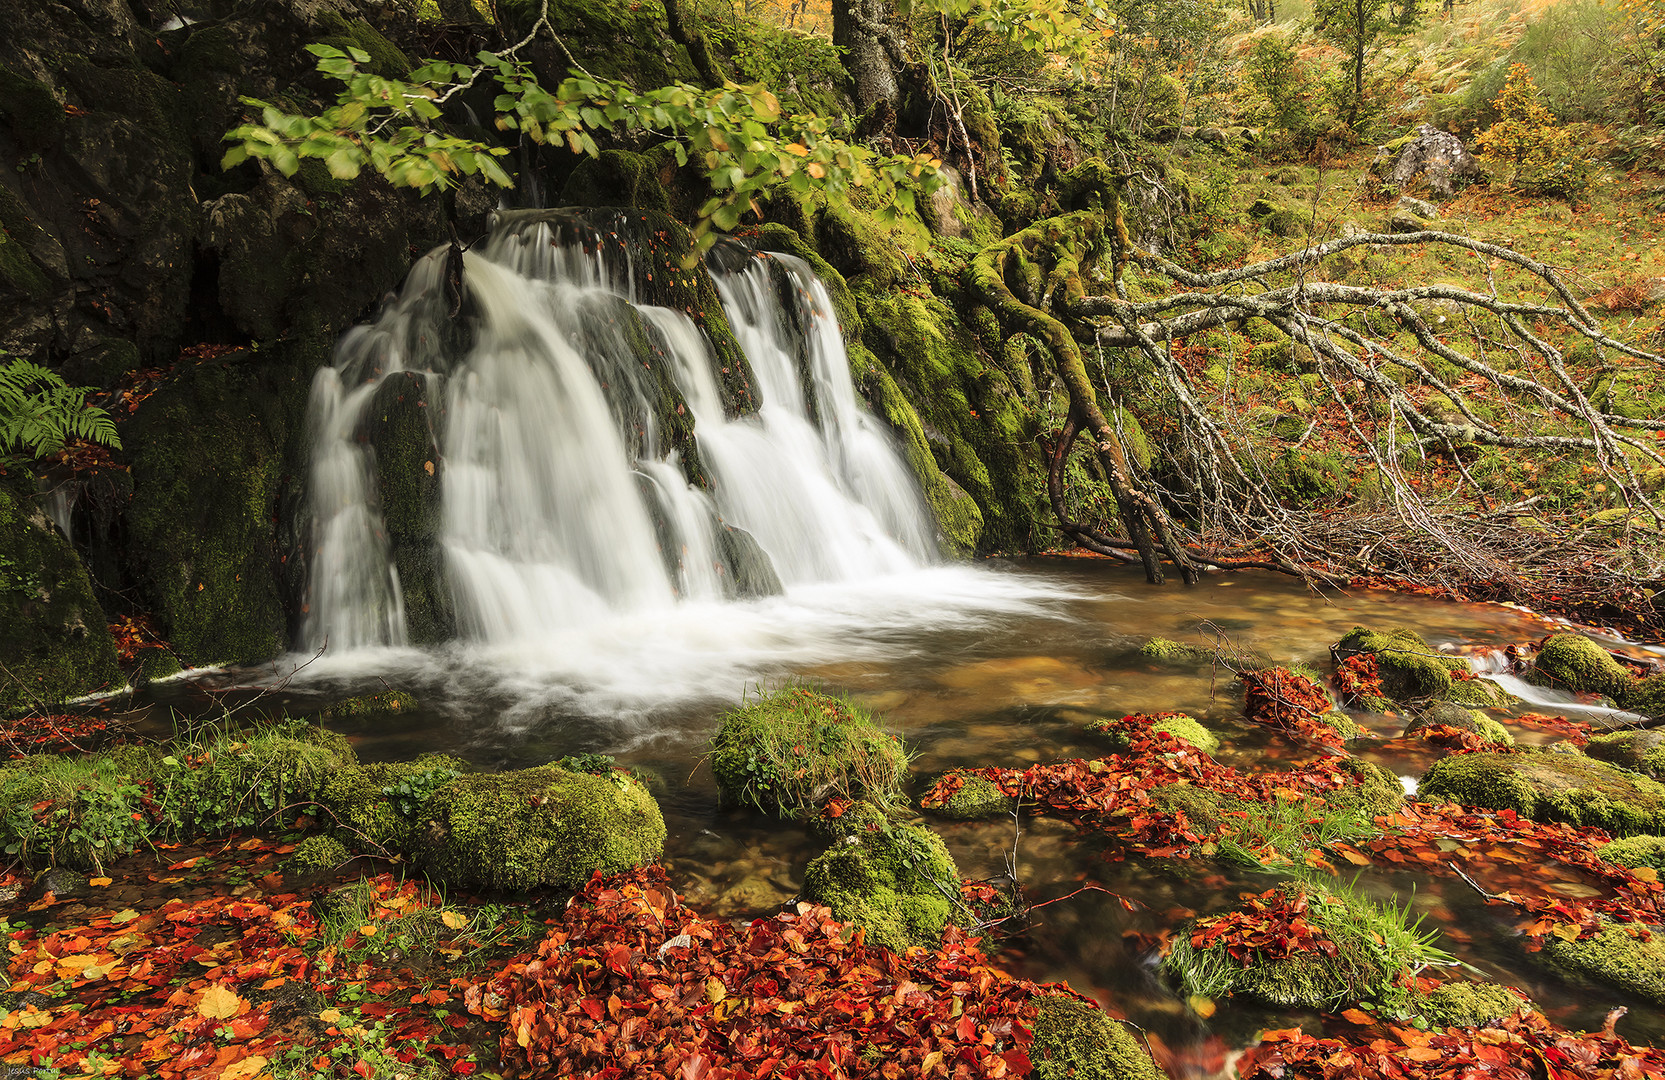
pixel 1640 751
pixel 977 798
pixel 1185 728
pixel 1176 654
pixel 1468 1004
pixel 544 827
pixel 1075 1039
pixel 1551 787
pixel 1635 851
pixel 797 747
pixel 1575 662
pixel 1412 670
pixel 895 881
pixel 1616 956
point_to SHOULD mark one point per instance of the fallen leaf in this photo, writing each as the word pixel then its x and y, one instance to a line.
pixel 219 1003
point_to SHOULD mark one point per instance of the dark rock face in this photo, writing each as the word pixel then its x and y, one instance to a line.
pixel 1437 159
pixel 123 242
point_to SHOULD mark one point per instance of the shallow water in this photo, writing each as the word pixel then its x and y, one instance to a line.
pixel 998 664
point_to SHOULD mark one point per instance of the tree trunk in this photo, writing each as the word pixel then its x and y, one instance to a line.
pixel 872 48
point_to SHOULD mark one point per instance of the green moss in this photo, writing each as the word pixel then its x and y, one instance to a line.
pixel 796 747
pixel 1211 812
pixel 1468 1004
pixel 388 701
pixel 1076 1039
pixel 1342 724
pixel 1450 714
pixel 1182 727
pixel 1299 478
pixel 316 853
pixel 894 881
pixel 1575 662
pixel 978 797
pixel 1635 851
pixel 1495 731
pixel 380 806
pixel 385 58
pixel 1551 787
pixel 19 271
pixel 1377 792
pixel 1641 751
pixel 543 827
pixel 617 178
pixel 54 641
pixel 1409 667
pixel 1478 693
pixel 1373 948
pixel 1646 696
pixel 1177 654
pixel 1616 956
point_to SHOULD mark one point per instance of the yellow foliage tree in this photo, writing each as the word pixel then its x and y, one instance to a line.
pixel 1526 137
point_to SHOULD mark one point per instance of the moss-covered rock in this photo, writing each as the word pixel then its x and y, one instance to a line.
pixel 895 881
pixel 379 806
pixel 1468 1004
pixel 1176 654
pixel 1635 851
pixel 403 431
pixel 1074 1039
pixel 1576 663
pixel 1646 696
pixel 315 853
pixel 54 641
pixel 1641 751
pixel 1450 714
pixel 977 797
pixel 1617 956
pixel 1412 670
pixel 537 828
pixel 1377 792
pixel 387 702
pixel 1551 787
pixel 797 747
pixel 1373 949
pixel 618 178
pixel 1185 728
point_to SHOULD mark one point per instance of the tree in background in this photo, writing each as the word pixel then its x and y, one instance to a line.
pixel 1355 25
pixel 1541 156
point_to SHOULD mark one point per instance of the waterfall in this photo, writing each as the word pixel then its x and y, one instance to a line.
pixel 551 422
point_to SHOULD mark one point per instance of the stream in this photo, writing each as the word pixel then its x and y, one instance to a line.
pixel 996 664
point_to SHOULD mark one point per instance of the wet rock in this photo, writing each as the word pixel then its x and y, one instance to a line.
pixel 894 881
pixel 1642 751
pixel 63 883
pixel 1076 1039
pixel 1551 787
pixel 1435 161
pixel 748 571
pixel 1577 663
pixel 1616 956
pixel 753 894
pixel 976 798
pixel 1412 670
pixel 1449 714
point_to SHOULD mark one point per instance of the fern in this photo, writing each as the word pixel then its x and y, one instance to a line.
pixel 39 414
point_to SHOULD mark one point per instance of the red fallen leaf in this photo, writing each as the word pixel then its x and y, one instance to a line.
pixel 364 1069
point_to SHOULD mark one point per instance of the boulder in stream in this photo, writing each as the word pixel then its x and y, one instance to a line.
pixel 538 828
pixel 1642 751
pixel 896 881
pixel 1412 670
pixel 1075 1039
pixel 1551 787
pixel 1447 714
pixel 1469 1004
pixel 1577 663
pixel 976 797
pixel 1617 956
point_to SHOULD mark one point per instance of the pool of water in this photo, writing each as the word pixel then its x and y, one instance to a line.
pixel 999 664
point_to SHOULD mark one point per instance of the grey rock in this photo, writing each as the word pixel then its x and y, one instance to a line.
pixel 1437 158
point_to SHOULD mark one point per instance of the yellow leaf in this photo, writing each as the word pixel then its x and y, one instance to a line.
pixel 368 930
pixel 219 1003
pixel 797 149
pixel 816 169
pixel 456 920
pixel 714 990
pixel 249 1066
pixel 1644 873
pixel 76 963
pixel 97 971
pixel 1202 1006
pixel 126 915
pixel 330 1016
pixel 98 882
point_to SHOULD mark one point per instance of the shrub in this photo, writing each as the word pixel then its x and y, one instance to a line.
pixel 1543 156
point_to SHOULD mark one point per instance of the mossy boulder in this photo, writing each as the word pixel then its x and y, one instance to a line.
pixel 1635 851
pixel 1372 950
pixel 1412 670
pixel 1075 1039
pixel 1468 1004
pixel 537 828
pixel 1576 663
pixel 54 641
pixel 1166 652
pixel 1617 956
pixel 388 702
pixel 1551 787
pixel 380 806
pixel 796 748
pixel 977 797
pixel 1641 751
pixel 895 881
pixel 1450 714
pixel 1646 696
pixel 1377 792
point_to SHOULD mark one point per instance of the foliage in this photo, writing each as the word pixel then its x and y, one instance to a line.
pixel 736 134
pixel 40 414
pixel 1299 944
pixel 1544 158
pixel 1356 26
pixel 797 748
pixel 1274 71
pixel 701 995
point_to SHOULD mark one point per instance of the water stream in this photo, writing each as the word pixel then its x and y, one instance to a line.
pixel 592 583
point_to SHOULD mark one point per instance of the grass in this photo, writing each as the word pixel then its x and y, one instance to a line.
pixel 1283 834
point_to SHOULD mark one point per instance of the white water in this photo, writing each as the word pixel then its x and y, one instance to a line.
pixel 575 552
pixel 1495 667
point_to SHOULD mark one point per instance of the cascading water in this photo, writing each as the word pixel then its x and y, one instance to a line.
pixel 562 501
